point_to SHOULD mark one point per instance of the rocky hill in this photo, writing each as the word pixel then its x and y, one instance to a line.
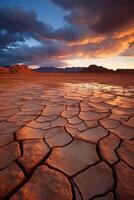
pixel 18 68
pixel 96 69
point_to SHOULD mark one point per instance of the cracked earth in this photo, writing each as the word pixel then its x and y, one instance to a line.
pixel 66 141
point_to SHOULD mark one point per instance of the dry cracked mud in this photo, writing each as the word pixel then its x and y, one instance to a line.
pixel 63 141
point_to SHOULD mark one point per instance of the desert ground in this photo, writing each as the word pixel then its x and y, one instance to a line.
pixel 67 136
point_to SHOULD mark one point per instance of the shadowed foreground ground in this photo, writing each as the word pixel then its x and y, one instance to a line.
pixel 66 136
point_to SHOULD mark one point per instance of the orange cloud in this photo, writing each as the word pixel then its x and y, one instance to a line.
pixel 89 40
pixel 125 32
pixel 106 48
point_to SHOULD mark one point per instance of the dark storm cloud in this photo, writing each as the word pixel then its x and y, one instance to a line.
pixel 19 20
pixel 102 16
pixel 70 33
pixel 7 38
pixel 51 51
pixel 16 20
pixel 98 28
pixel 20 24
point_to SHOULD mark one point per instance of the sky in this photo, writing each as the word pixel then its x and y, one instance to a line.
pixel 63 33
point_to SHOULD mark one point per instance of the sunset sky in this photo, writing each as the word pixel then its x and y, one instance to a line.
pixel 67 32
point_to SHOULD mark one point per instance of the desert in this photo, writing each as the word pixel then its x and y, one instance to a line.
pixel 67 100
pixel 69 134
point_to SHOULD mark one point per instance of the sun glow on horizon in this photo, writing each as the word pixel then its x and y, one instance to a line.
pixel 110 62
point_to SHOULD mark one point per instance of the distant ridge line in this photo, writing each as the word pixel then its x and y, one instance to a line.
pixel 89 69
pixel 23 69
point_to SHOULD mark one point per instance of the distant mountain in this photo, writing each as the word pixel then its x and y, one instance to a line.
pixel 24 69
pixel 125 71
pixel 18 68
pixel 91 68
pixel 55 69
pixel 96 69
pixel 47 69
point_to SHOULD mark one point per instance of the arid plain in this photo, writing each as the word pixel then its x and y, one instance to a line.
pixel 67 136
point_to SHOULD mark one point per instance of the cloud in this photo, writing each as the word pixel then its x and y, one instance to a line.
pixel 18 20
pixel 7 38
pixel 107 48
pixel 49 51
pixel 20 24
pixel 94 29
pixel 101 16
pixel 129 52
